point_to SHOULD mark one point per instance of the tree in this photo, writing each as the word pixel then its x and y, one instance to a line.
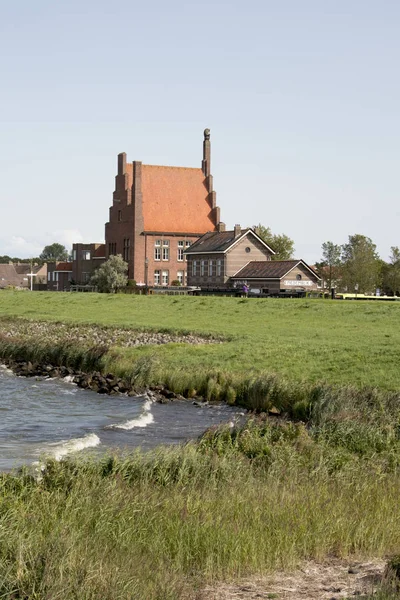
pixel 391 272
pixel 329 267
pixel 280 243
pixel 111 275
pixel 54 252
pixel 361 266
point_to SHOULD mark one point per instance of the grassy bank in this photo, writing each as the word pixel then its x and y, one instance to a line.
pixel 160 526
pixel 355 343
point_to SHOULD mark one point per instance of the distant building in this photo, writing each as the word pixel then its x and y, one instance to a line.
pixel 18 275
pixel 217 256
pixel 157 213
pixel 85 260
pixel 277 277
pixel 59 276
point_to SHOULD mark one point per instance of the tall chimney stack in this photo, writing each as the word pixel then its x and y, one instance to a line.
pixel 206 164
pixel 237 230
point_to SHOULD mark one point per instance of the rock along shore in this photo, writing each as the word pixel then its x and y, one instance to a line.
pixel 96 381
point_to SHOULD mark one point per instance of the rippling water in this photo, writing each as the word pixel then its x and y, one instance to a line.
pixel 52 417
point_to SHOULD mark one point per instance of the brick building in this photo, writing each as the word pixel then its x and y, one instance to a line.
pixel 278 277
pixel 157 213
pixel 217 256
pixel 59 275
pixel 85 259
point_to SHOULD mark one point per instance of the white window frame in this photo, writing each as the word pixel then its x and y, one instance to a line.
pixel 210 267
pixel 180 251
pixel 165 252
pixel 165 277
pixel 180 276
pixel 202 267
pixel 85 254
pixel 194 268
pixel 219 265
pixel 157 277
pixel 157 253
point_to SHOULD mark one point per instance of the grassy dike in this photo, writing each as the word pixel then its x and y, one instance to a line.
pixel 239 501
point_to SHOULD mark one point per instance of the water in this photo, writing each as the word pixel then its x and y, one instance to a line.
pixel 51 417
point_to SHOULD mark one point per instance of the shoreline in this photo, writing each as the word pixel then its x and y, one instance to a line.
pixel 95 381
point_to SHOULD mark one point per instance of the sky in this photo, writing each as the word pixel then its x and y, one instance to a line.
pixel 302 99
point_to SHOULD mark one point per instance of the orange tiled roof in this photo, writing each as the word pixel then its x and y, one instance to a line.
pixel 174 199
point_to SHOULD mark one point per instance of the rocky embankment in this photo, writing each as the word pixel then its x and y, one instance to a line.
pixel 96 381
pixel 94 335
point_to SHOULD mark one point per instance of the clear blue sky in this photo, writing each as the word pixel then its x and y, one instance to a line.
pixel 302 98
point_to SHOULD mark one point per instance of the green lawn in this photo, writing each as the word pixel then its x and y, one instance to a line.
pixel 304 340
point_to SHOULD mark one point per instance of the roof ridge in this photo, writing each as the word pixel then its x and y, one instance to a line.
pixel 172 167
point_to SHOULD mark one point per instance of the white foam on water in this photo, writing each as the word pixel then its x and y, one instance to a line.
pixel 61 449
pixel 142 421
pixel 6 369
pixel 68 379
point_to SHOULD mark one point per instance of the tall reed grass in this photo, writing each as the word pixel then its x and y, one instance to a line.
pixel 160 525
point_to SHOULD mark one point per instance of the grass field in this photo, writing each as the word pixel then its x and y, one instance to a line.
pixel 355 343
pixel 239 501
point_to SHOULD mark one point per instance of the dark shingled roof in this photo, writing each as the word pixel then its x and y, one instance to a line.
pixel 270 269
pixel 217 241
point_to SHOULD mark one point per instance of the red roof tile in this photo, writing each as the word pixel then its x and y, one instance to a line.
pixel 174 199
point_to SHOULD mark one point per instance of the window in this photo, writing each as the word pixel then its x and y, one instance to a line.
pixel 127 245
pixel 298 276
pixel 165 277
pixel 248 249
pixel 219 267
pixel 119 215
pixel 157 277
pixel 49 276
pixel 210 268
pixel 85 254
pixel 180 276
pixel 157 250
pixel 165 250
pixel 180 251
pixel 55 275
pixel 194 268
pixel 202 264
pixel 86 277
pixel 73 254
pixel 112 248
pixel 187 244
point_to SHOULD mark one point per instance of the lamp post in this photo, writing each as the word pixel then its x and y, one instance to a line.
pixel 356 289
pixel 146 274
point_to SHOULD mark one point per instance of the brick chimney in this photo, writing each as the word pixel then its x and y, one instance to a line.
pixel 237 230
pixel 221 227
pixel 206 163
